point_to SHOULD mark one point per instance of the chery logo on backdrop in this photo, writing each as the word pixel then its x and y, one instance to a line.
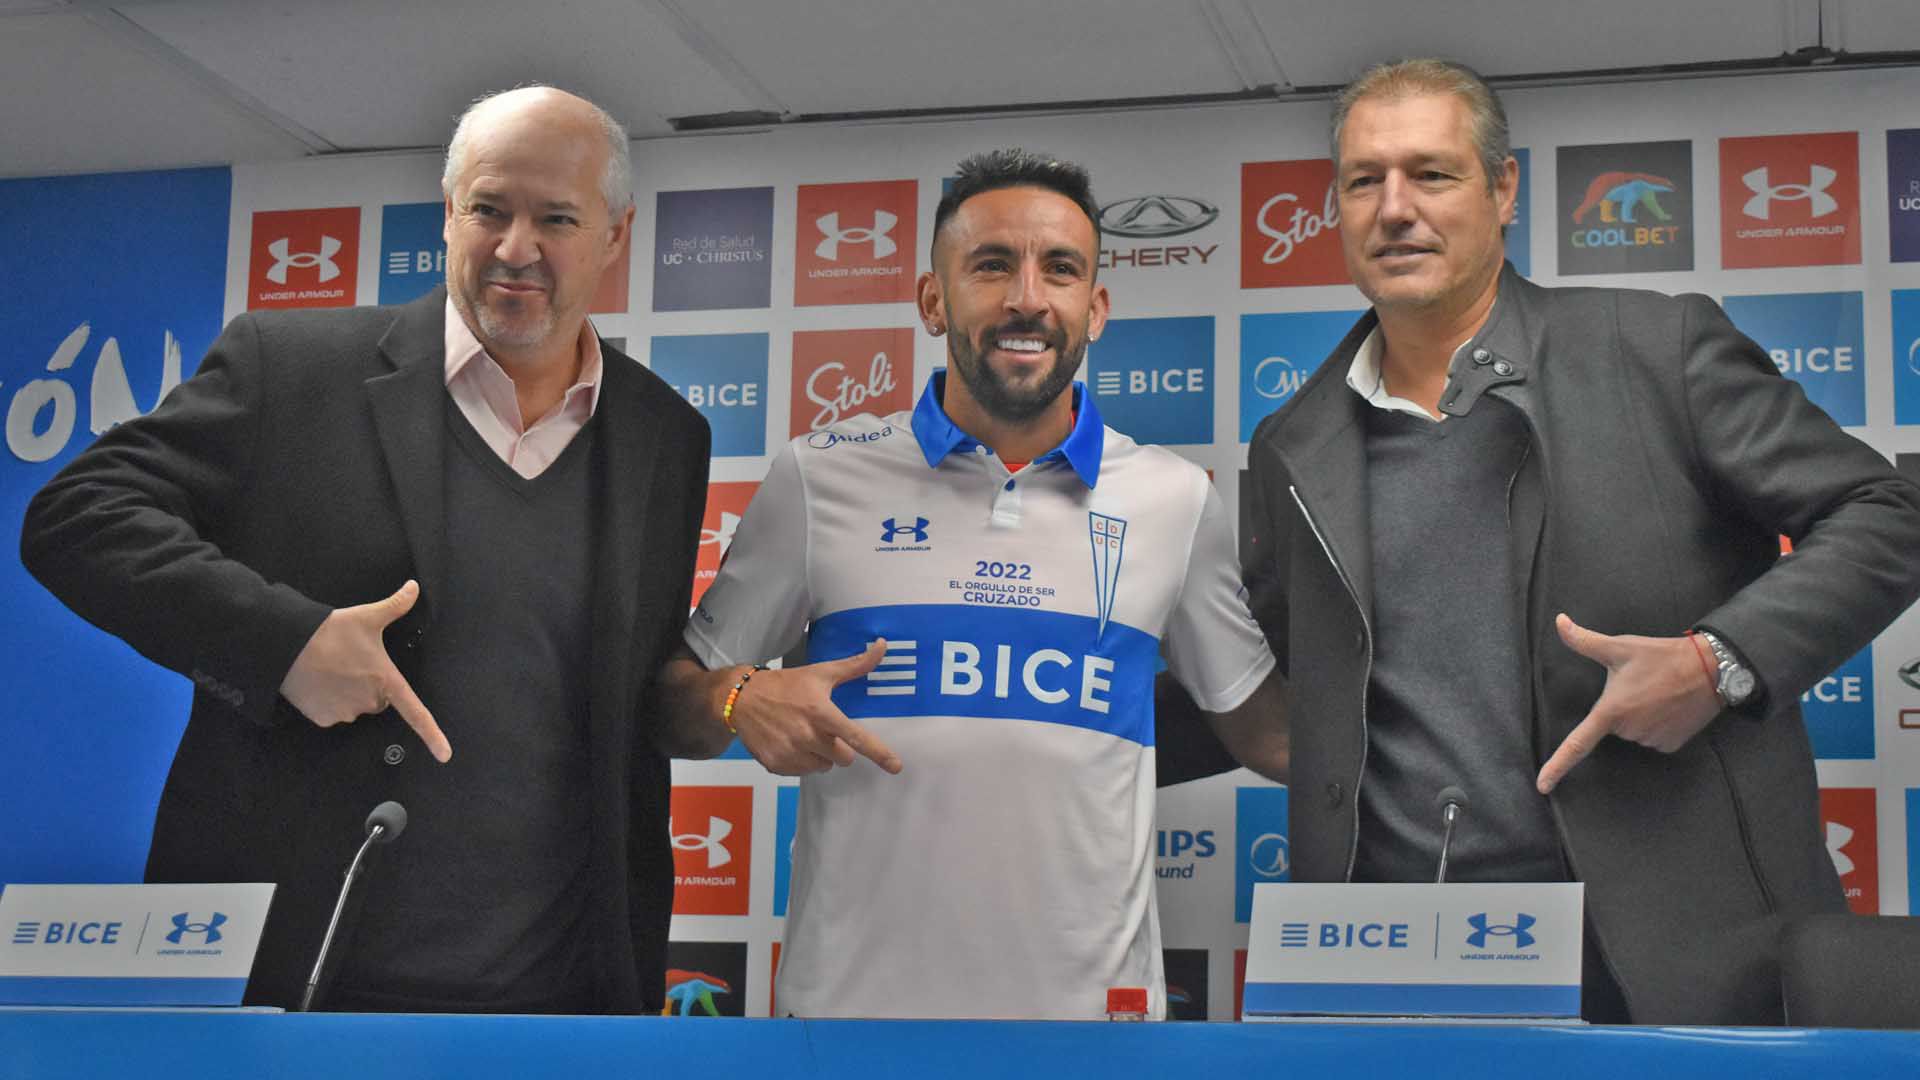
pixel 304 258
pixel 726 505
pixel 712 831
pixel 840 373
pixel 855 243
pixel 1790 200
pixel 1289 225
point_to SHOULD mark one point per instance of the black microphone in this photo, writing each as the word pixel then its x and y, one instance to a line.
pixel 384 826
pixel 1450 802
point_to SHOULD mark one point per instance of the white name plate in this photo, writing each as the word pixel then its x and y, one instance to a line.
pixel 129 944
pixel 1414 950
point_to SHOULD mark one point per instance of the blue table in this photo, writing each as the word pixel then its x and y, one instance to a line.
pixel 205 1045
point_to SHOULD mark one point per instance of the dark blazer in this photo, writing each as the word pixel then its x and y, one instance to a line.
pixel 299 470
pixel 1666 456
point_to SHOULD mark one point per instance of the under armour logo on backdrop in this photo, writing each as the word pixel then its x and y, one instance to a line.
pixel 1820 204
pixel 879 235
pixel 283 259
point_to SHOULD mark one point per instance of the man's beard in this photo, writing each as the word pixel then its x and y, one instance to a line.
pixel 996 396
pixel 513 329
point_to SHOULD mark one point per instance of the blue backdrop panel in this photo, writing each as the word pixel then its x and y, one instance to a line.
pixel 97 267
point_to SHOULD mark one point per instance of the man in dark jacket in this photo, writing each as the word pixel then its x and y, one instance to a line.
pixel 1525 541
pixel 465 522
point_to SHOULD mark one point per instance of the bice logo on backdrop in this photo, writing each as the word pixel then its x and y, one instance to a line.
pixel 1852 831
pixel 855 243
pixel 1839 710
pixel 1818 339
pixel 712 831
pixel 1626 207
pixel 304 258
pixel 1153 378
pixel 413 253
pixel 1278 353
pixel 1790 200
pixel 725 377
pixel 1289 225
pixel 840 373
pixel 726 505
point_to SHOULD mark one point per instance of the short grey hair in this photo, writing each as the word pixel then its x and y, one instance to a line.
pixel 616 179
pixel 1401 79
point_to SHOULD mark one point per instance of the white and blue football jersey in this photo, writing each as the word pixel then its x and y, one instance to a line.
pixel 1008 870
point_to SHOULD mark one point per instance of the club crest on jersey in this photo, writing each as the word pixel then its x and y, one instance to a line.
pixel 1108 535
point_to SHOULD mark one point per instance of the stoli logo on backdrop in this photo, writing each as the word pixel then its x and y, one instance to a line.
pixel 841 373
pixel 1289 225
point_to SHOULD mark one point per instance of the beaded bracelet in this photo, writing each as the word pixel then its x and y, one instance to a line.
pixel 733 695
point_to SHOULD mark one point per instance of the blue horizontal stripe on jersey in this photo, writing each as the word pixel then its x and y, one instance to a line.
pixel 999 663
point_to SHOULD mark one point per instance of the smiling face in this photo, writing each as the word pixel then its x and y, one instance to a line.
pixel 1419 223
pixel 1013 288
pixel 528 230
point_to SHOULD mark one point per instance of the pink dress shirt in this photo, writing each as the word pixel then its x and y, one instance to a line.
pixel 484 393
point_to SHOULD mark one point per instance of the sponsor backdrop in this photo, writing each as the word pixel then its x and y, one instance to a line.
pixel 770 281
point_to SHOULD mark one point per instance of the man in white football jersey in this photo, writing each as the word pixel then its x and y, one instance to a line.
pixel 984 584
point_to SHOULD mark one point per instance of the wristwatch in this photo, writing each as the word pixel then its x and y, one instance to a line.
pixel 1734 683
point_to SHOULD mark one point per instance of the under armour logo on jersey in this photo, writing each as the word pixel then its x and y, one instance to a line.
pixel 283 259
pixel 879 235
pixel 891 530
pixel 1109 536
pixel 1820 204
pixel 717 853
pixel 209 930
pixel 1517 930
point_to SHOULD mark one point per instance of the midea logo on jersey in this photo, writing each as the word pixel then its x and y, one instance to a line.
pixel 891 529
pixel 1109 536
pixel 879 235
pixel 718 829
pixel 1517 930
pixel 1045 675
pixel 827 440
pixel 208 932
pixel 1820 204
pixel 284 259
pixel 1157 215
pixel 1276 379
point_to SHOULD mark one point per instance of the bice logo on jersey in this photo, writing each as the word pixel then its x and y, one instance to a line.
pixel 304 258
pixel 712 831
pixel 841 373
pixel 726 505
pixel 1790 200
pixel 1852 833
pixel 855 243
pixel 1289 224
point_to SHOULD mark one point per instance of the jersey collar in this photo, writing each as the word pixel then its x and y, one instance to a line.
pixel 938 436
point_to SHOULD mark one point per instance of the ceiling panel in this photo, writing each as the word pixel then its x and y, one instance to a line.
pixel 1322 44
pixel 79 100
pixel 926 54
pixel 367 74
pixel 1874 25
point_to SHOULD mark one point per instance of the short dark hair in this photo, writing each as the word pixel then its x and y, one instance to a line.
pixel 1403 79
pixel 1010 167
